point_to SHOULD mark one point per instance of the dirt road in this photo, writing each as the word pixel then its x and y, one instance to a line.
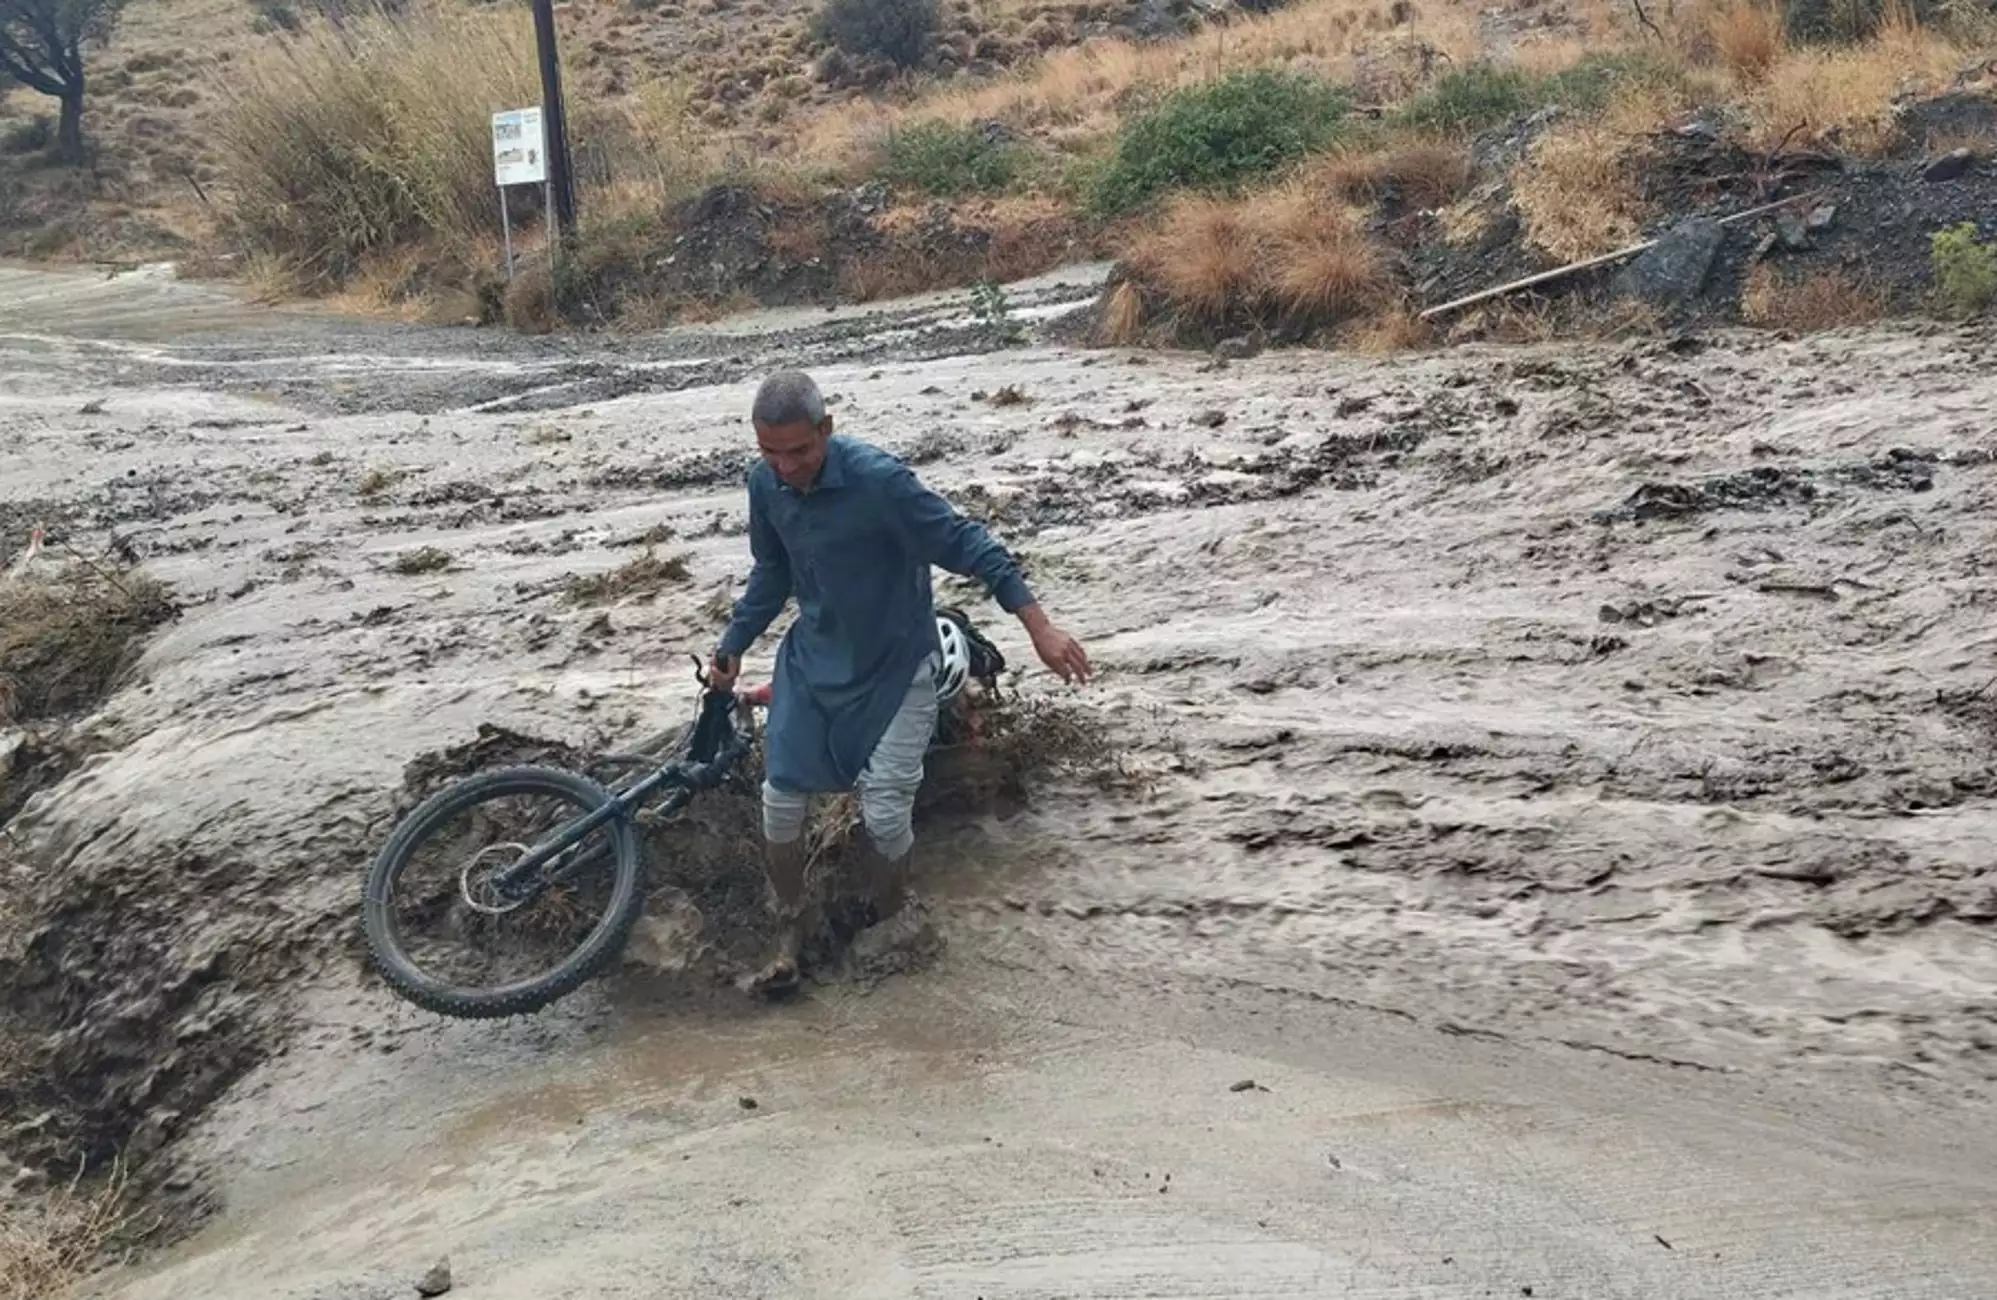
pixel 1574 775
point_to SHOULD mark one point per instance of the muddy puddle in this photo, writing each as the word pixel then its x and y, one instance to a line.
pixel 1589 740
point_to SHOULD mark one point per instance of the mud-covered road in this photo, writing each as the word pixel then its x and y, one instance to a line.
pixel 1572 812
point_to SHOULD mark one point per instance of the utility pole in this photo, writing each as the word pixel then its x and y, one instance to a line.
pixel 561 179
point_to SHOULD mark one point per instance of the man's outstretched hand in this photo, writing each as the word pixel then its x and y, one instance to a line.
pixel 1059 651
pixel 722 672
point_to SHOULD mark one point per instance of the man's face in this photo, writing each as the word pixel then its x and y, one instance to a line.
pixel 794 451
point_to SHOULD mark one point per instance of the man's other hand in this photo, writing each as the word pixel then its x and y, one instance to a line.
pixel 1061 652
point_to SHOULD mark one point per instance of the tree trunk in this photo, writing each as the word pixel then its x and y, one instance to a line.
pixel 69 129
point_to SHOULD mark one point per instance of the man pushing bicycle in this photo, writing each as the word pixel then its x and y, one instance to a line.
pixel 852 533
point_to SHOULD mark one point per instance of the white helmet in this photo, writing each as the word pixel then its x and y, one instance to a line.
pixel 955 667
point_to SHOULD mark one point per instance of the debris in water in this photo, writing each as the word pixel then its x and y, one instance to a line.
pixel 746 1103
pixel 437 1281
pixel 1246 1085
pixel 95 407
pixel 1662 1242
pixel 1334 1161
pixel 1210 419
pixel 424 559
pixel 643 578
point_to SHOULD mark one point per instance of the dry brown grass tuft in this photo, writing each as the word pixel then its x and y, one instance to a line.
pixel 642 578
pixel 64 640
pixel 46 1247
pixel 1123 316
pixel 1295 248
pixel 1320 263
pixel 1846 94
pixel 529 304
pixel 1206 255
pixel 1577 191
pixel 1747 38
pixel 1426 174
pixel 1396 328
pixel 1816 300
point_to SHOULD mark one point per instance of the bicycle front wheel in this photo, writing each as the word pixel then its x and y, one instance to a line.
pixel 446 938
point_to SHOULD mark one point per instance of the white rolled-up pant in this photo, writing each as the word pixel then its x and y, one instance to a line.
pixel 886 786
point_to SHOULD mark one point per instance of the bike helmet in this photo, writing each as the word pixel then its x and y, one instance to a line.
pixel 955 668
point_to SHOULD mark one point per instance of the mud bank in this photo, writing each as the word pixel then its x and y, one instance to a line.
pixel 1532 715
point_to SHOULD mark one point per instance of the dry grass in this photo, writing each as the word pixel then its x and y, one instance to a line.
pixel 1845 94
pixel 1425 174
pixel 1205 255
pixel 1397 328
pixel 48 1247
pixel 1577 191
pixel 1295 248
pixel 1123 316
pixel 65 639
pixel 1747 38
pixel 1321 262
pixel 1816 300
pixel 1075 97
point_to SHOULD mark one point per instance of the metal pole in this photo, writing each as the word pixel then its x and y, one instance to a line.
pixel 506 229
pixel 561 182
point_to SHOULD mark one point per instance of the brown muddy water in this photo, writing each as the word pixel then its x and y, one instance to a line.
pixel 1572 790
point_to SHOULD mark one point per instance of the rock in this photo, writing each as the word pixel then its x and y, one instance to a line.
pixel 1790 230
pixel 1238 348
pixel 1949 166
pixel 1763 247
pixel 1210 419
pixel 1820 217
pixel 1673 270
pixel 92 408
pixel 437 1281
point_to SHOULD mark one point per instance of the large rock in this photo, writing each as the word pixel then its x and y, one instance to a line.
pixel 1673 270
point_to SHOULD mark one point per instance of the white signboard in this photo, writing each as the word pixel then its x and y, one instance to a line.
pixel 519 147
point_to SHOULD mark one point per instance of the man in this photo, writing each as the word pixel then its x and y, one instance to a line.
pixel 851 533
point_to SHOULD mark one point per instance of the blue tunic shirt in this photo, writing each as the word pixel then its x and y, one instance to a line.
pixel 856 551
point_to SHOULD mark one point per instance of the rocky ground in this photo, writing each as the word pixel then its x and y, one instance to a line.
pixel 1560 868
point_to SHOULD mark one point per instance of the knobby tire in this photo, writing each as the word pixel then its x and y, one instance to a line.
pixel 588 959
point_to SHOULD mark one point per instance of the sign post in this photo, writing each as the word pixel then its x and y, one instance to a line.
pixel 519 157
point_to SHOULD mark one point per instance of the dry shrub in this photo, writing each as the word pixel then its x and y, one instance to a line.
pixel 64 640
pixel 643 578
pixel 1847 93
pixel 1206 255
pixel 1295 249
pixel 1747 38
pixel 1424 174
pixel 1815 300
pixel 1577 191
pixel 530 300
pixel 349 140
pixel 1321 262
pixel 50 1245
pixel 1123 315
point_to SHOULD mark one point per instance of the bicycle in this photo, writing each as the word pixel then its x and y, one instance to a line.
pixel 544 869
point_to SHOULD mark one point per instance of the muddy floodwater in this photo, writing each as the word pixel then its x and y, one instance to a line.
pixel 1564 867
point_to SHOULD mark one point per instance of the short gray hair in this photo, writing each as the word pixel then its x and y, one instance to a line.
pixel 789 397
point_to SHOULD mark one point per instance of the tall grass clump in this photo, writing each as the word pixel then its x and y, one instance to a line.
pixel 1215 135
pixel 347 141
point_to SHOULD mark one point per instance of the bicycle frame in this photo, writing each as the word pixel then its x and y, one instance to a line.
pixel 716 747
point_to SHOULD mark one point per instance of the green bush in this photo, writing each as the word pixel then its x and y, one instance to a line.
pixel 901 31
pixel 1467 100
pixel 1215 135
pixel 1587 86
pixel 942 159
pixel 1965 269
